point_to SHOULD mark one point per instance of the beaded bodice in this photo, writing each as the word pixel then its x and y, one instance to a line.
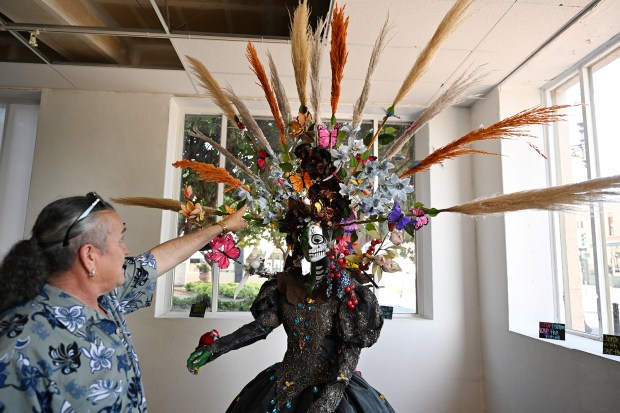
pixel 312 346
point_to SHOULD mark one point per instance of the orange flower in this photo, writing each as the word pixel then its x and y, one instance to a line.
pixel 187 192
pixel 191 210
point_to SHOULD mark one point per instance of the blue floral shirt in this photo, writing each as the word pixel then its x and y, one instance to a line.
pixel 58 355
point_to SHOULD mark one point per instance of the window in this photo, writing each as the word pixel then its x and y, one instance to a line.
pixel 197 281
pixel 587 146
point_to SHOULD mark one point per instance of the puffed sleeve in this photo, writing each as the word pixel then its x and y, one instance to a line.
pixel 266 308
pixel 361 326
pixel 267 316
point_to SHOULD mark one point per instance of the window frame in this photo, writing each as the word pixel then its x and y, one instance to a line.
pixel 582 72
pixel 180 107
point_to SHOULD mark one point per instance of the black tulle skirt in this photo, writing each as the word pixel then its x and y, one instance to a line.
pixel 259 396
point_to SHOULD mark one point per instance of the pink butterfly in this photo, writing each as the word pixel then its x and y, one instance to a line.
pixel 324 135
pixel 223 249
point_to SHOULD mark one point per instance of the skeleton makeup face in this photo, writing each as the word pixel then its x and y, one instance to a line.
pixel 315 243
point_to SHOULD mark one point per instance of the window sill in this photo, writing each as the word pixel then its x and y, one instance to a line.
pixel 574 342
pixel 235 315
pixel 240 315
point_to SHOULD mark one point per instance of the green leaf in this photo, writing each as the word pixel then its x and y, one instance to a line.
pixel 342 173
pixel 337 232
pixel 286 167
pixel 368 138
pixel 389 130
pixel 379 274
pixel 432 212
pixel 354 237
pixel 357 250
pixel 386 138
pixel 356 259
pixel 390 254
pixel 409 229
pixel 374 234
pixel 371 227
pixel 241 203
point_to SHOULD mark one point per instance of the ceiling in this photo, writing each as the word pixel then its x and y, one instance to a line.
pixel 140 45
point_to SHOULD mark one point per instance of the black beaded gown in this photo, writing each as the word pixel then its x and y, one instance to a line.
pixel 324 338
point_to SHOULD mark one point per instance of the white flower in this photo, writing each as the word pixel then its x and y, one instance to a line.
pixel 71 317
pixel 357 146
pixel 341 155
pixel 390 266
pixel 396 238
pixel 399 188
pixel 380 260
pixel 99 355
pixel 103 389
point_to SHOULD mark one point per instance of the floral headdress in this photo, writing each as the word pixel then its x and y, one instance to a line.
pixel 325 174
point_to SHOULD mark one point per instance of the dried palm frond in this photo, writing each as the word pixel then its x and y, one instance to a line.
pixel 338 54
pixel 377 49
pixel 452 95
pixel 454 16
pixel 249 121
pixel 155 203
pixel 208 82
pixel 509 128
pixel 300 48
pixel 560 198
pixel 316 56
pixel 233 159
pixel 210 173
pixel 260 73
pixel 280 92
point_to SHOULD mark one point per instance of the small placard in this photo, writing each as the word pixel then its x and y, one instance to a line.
pixel 387 311
pixel 552 331
pixel 611 345
pixel 198 310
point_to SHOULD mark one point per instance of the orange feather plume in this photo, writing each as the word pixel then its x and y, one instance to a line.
pixel 338 54
pixel 210 173
pixel 260 73
pixel 508 128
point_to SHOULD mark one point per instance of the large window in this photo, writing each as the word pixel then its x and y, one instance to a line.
pixel 587 146
pixel 197 281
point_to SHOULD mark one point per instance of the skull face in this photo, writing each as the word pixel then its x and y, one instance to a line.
pixel 315 243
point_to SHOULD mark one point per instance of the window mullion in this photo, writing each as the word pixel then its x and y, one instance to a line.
pixel 215 285
pixel 598 235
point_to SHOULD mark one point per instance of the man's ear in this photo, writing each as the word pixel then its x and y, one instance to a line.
pixel 87 255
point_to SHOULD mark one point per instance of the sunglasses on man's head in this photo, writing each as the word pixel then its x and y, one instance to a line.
pixel 95 200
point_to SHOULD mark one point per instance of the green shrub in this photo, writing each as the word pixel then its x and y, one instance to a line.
pixel 248 290
pixel 203 291
pixel 226 290
pixel 234 305
pixel 200 287
pixel 179 303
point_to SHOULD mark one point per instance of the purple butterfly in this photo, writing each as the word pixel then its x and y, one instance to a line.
pixel 324 135
pixel 397 219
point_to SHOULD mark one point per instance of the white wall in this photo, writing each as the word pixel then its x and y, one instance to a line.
pixel 523 374
pixel 116 144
